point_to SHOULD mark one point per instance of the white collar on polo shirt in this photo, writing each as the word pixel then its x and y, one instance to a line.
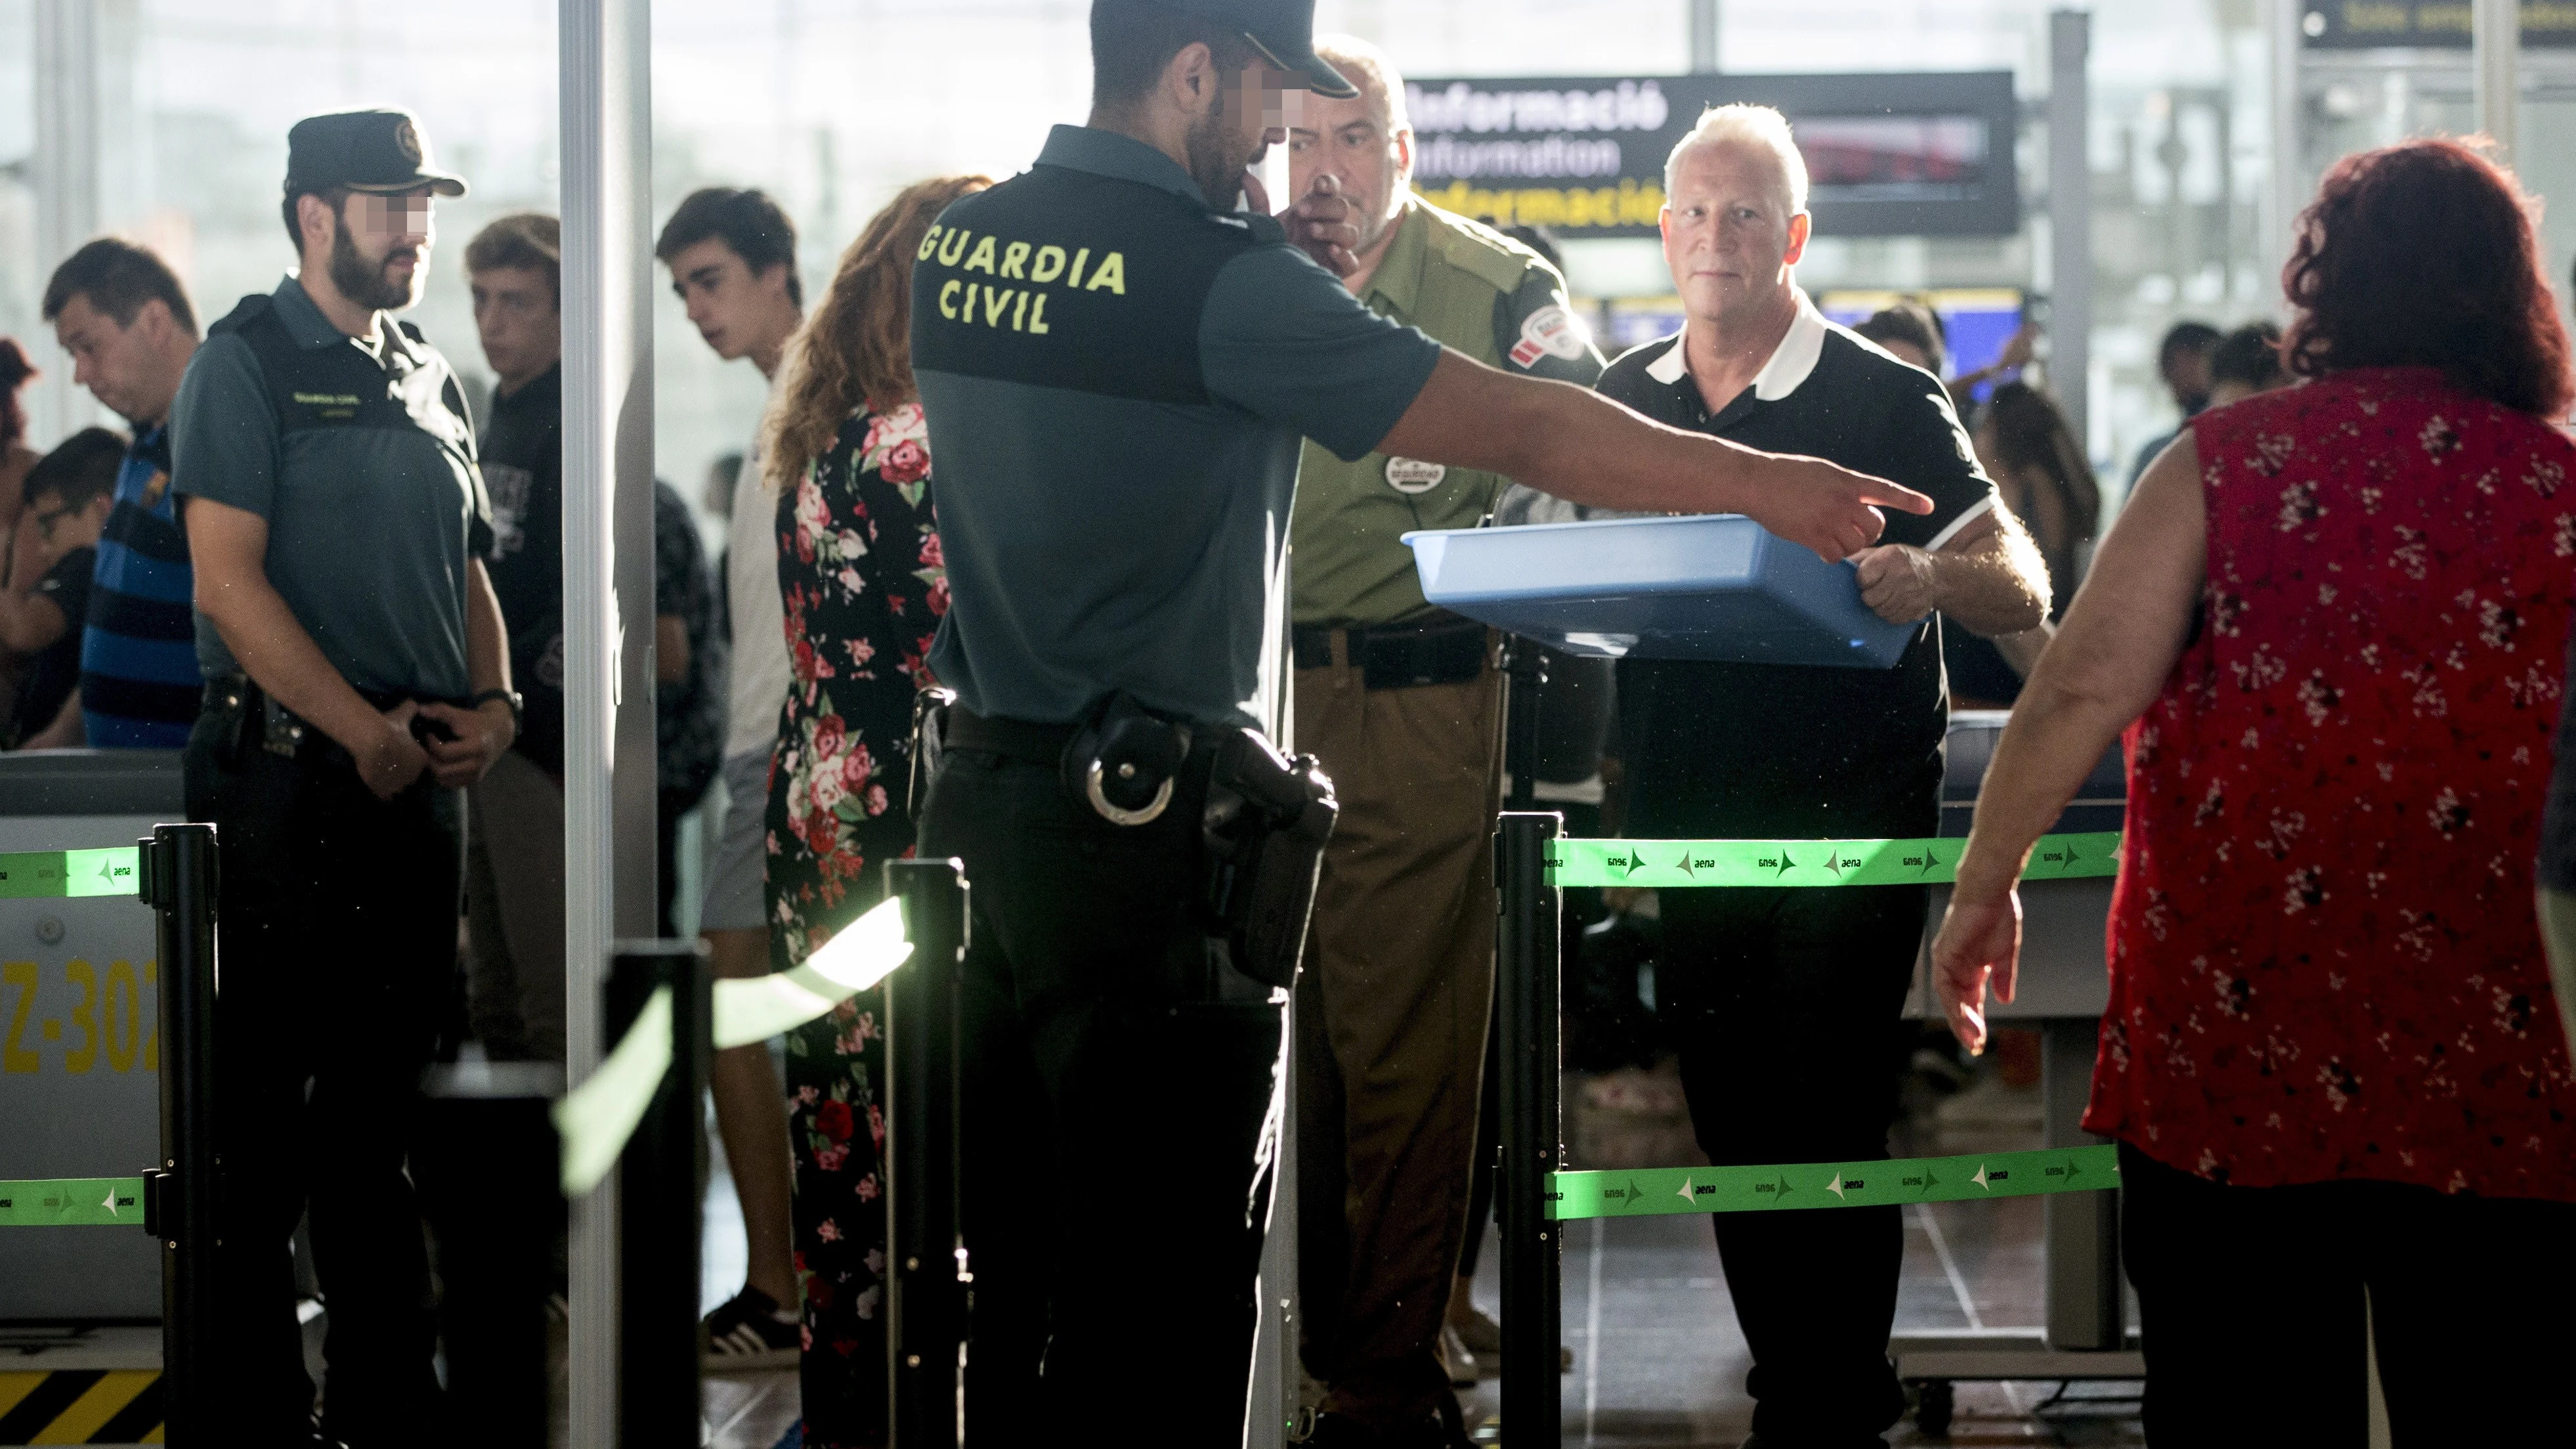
pixel 1790 362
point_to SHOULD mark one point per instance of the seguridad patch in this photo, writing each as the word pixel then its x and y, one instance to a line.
pixel 1414 475
pixel 1551 331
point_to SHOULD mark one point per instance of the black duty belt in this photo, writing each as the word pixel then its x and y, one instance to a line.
pixel 260 719
pixel 1012 739
pixel 1447 650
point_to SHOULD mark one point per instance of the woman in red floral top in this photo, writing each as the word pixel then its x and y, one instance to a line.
pixel 2331 622
pixel 859 573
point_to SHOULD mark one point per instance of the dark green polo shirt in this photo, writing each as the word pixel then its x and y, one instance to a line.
pixel 363 464
pixel 1116 377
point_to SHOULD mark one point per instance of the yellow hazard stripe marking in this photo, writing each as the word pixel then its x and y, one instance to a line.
pixel 90 1412
pixel 83 1417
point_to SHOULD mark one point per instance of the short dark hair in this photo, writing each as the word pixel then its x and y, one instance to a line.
pixel 1132 40
pixel 744 219
pixel 334 197
pixel 2423 254
pixel 2250 355
pixel 80 468
pixel 529 240
pixel 117 277
pixel 2184 337
pixel 1914 324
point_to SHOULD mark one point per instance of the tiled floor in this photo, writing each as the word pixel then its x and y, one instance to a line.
pixel 1658 1358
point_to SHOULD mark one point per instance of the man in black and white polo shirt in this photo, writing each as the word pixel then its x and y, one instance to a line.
pixel 1786 1001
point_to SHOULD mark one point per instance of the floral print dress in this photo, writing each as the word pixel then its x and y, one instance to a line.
pixel 2324 963
pixel 860 577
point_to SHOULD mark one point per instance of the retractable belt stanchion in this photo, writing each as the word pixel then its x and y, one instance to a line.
pixel 1531 1139
pixel 661 1182
pixel 176 876
pixel 926 1303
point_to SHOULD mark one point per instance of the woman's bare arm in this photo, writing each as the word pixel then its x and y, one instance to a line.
pixel 2110 659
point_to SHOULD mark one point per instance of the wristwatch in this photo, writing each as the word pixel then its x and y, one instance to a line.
pixel 510 697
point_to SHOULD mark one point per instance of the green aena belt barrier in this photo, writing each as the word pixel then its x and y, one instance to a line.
pixel 69 1201
pixel 1672 864
pixel 597 1117
pixel 55 874
pixel 1653 1191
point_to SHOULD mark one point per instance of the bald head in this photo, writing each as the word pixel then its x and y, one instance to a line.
pixel 1365 143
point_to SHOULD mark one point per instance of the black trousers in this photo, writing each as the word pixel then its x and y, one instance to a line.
pixel 2251 1307
pixel 336 943
pixel 1784 1004
pixel 1116 1101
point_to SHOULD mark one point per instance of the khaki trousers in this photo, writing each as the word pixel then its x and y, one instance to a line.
pixel 1391 1018
pixel 514 911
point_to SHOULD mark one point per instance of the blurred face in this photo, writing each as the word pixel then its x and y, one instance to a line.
pixel 516 317
pixel 1729 235
pixel 1351 142
pixel 2187 374
pixel 125 368
pixel 738 311
pixel 1248 111
pixel 61 528
pixel 380 248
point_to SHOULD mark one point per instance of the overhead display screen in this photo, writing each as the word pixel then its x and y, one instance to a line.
pixel 1887 155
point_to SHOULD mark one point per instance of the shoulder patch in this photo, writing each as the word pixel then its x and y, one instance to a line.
pixel 1551 331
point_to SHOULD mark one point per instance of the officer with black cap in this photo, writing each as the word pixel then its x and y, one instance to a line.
pixel 1117 367
pixel 357 673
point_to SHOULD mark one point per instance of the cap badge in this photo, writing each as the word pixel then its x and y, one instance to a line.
pixel 407 140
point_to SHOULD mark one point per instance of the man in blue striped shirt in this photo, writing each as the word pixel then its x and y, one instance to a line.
pixel 121 314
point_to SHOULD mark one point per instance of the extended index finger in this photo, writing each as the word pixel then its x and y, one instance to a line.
pixel 1896 495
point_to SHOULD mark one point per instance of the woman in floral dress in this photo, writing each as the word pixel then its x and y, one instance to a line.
pixel 860 577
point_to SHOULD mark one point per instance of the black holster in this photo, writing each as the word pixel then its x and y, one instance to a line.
pixel 1265 827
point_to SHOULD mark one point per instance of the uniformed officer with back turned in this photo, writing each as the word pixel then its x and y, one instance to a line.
pixel 1117 368
pixel 357 672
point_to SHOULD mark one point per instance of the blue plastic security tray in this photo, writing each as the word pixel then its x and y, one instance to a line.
pixel 1710 586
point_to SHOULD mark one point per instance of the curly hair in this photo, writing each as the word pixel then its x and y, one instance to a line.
pixel 2422 254
pixel 856 350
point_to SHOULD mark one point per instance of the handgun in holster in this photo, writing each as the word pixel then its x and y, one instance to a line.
pixel 1265 826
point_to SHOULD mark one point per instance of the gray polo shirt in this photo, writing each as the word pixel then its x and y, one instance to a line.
pixel 1116 377
pixel 362 461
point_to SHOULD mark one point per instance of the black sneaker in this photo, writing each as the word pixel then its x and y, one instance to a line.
pixel 745 1335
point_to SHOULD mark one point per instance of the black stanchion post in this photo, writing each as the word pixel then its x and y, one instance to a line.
pixel 177 878
pixel 661 1180
pixel 927 1302
pixel 1525 669
pixel 1532 1134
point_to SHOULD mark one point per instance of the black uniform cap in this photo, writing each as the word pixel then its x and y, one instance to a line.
pixel 378 151
pixel 1283 31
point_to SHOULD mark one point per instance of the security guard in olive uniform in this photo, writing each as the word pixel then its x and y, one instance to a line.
pixel 356 673
pixel 1402 704
pixel 1117 368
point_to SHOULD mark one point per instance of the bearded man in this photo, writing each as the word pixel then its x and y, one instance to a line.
pixel 357 675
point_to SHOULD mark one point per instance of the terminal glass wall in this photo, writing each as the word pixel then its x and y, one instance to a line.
pixel 833 104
